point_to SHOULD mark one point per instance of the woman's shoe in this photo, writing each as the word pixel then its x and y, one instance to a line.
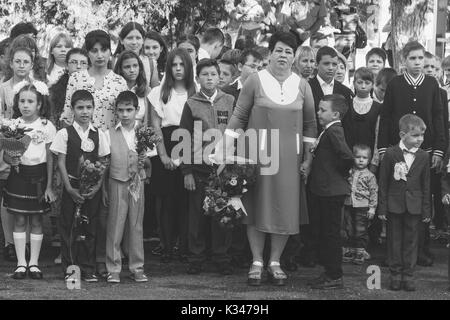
pixel 19 274
pixel 36 274
pixel 255 274
pixel 276 275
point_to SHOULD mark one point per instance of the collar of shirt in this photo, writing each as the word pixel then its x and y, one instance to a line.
pixel 375 98
pixel 323 83
pixel 331 123
pixel 239 83
pixel 78 128
pixel 210 99
pixel 403 147
pixel 119 125
pixel 414 81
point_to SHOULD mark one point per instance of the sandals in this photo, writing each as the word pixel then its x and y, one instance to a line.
pixel 276 275
pixel 255 274
pixel 19 275
pixel 36 275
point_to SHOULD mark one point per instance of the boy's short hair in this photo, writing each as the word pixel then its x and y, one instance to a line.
pixel 362 147
pixel 81 95
pixel 411 46
pixel 249 52
pixel 263 51
pixel 232 55
pixel 325 51
pixel 127 96
pixel 233 67
pixel 364 73
pixel 22 28
pixel 338 103
pixel 385 76
pixel 206 63
pixel 429 55
pixel 245 42
pixel 446 62
pixel 376 51
pixel 409 122
pixel 213 35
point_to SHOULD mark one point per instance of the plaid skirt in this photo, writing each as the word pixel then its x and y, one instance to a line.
pixel 24 191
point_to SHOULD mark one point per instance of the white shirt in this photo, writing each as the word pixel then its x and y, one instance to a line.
pixel 130 139
pixel 326 88
pixel 59 144
pixel 210 99
pixel 203 54
pixel 362 106
pixel 54 76
pixel 409 157
pixel 170 112
pixel 43 133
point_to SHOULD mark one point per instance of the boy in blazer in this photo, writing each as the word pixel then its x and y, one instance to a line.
pixel 329 187
pixel 404 199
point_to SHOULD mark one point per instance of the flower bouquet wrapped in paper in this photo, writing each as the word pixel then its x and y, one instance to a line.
pixel 226 187
pixel 146 140
pixel 90 176
pixel 14 140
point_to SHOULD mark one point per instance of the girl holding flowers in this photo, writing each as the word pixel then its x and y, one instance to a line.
pixel 28 190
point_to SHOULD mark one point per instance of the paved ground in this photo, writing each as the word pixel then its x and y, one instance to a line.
pixel 169 282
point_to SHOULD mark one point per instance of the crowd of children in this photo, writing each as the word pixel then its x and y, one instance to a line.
pixel 379 161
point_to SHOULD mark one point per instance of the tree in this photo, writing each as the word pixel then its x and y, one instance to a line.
pixel 408 20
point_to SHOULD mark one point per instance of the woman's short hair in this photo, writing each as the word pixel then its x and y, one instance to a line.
pixel 285 37
pixel 364 73
pixel 97 36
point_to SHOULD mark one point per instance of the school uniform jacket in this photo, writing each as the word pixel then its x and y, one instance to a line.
pixel 331 164
pixel 318 94
pixel 422 98
pixel 412 195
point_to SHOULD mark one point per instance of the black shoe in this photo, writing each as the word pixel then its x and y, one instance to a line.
pixel 36 275
pixel 90 277
pixel 328 284
pixel 290 265
pixel 225 269
pixel 158 250
pixel 9 253
pixel 194 268
pixel 424 262
pixel 408 285
pixel 317 280
pixel 308 263
pixel 395 285
pixel 101 270
pixel 166 258
pixel 19 275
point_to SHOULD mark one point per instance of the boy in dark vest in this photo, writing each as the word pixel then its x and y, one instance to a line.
pixel 80 141
pixel 126 203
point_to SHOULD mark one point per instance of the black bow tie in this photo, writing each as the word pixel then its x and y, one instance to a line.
pixel 407 151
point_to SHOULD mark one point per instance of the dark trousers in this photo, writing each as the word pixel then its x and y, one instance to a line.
pixel 151 222
pixel 402 243
pixel 240 248
pixel 100 245
pixel 81 253
pixel 356 223
pixel 326 227
pixel 309 251
pixel 173 221
pixel 292 248
pixel 199 224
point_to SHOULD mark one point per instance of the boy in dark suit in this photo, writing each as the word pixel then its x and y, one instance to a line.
pixel 323 83
pixel 328 186
pixel 404 199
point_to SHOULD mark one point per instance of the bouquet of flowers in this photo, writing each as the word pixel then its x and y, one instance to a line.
pixel 90 175
pixel 146 139
pixel 224 190
pixel 14 140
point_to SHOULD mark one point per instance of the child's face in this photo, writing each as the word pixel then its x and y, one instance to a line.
pixel 152 49
pixel 306 65
pixel 59 52
pixel 226 76
pixel 340 72
pixel 380 91
pixel 130 69
pixel 208 78
pixel 413 138
pixel 375 63
pixel 447 73
pixel 429 67
pixel 28 104
pixel 178 69
pixel 126 112
pixel 317 44
pixel 21 64
pixel 251 66
pixel 327 67
pixel 133 41
pixel 77 62
pixel 361 158
pixel 326 113
pixel 362 87
pixel 83 111
pixel 414 62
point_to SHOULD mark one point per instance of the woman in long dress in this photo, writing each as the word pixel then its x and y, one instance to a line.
pixel 273 101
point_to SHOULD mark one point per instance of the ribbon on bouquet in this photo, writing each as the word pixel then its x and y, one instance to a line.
pixel 237 204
